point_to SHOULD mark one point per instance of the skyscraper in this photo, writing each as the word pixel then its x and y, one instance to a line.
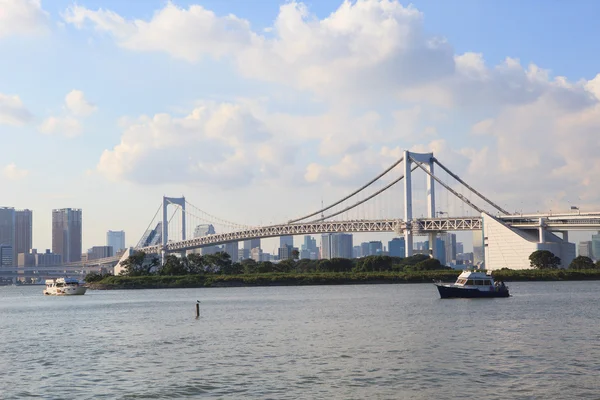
pixel 23 231
pixel 336 245
pixel 231 248
pixel 251 244
pixel 66 233
pixel 286 240
pixel 397 247
pixel 7 237
pixel 596 246
pixel 478 249
pixel 116 240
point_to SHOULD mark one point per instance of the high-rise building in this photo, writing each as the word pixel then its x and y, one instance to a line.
pixel 23 231
pixel 397 247
pixel 449 242
pixel 251 244
pixel 7 237
pixel 596 246
pixel 286 241
pixel 478 249
pixel 460 248
pixel 203 230
pixel 47 258
pixel 336 245
pixel 585 249
pixel 231 248
pixel 309 248
pixel 98 252
pixel 440 250
pixel 375 248
pixel 116 240
pixel 66 233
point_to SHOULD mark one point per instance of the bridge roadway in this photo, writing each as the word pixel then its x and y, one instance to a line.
pixel 552 222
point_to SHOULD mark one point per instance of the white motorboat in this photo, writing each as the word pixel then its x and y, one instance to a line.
pixel 471 284
pixel 64 287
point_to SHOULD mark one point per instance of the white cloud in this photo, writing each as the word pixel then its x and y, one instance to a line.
pixel 21 17
pixel 63 126
pixel 12 172
pixel 531 131
pixel 187 34
pixel 77 104
pixel 217 143
pixel 12 111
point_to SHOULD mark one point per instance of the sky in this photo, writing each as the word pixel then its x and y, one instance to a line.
pixel 258 111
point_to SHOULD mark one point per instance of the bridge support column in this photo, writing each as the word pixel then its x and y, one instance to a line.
pixel 408 237
pixel 541 231
pixel 431 208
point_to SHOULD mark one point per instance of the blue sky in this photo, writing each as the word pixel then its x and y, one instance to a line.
pixel 302 110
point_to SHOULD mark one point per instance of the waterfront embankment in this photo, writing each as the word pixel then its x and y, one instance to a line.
pixel 329 278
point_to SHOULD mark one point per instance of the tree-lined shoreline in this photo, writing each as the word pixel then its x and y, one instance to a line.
pixel 217 270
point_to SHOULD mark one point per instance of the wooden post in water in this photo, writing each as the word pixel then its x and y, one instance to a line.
pixel 198 309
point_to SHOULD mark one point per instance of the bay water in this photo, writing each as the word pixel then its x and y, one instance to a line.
pixel 307 342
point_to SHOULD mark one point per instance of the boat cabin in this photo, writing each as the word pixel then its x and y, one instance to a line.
pixel 470 278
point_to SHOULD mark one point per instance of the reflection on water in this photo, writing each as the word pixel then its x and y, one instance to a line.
pixel 349 342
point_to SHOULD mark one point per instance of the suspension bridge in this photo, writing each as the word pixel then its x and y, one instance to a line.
pixel 509 237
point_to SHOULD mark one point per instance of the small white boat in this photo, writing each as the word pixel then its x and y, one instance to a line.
pixel 64 287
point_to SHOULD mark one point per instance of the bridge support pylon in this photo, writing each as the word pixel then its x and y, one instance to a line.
pixel 180 201
pixel 427 159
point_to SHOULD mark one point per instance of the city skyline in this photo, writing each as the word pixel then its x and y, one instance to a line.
pixel 303 103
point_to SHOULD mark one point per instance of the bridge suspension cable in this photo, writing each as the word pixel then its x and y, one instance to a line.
pixel 497 207
pixel 348 196
pixel 389 185
pixel 212 218
pixel 454 192
pixel 151 221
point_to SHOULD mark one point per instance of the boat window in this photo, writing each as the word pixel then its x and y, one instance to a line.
pixel 478 282
pixel 488 282
pixel 470 282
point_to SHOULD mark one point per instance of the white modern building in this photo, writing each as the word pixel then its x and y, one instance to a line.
pixel 507 247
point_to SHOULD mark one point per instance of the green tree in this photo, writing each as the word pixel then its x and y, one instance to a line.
pixel 249 266
pixel 195 263
pixel 544 259
pixel 431 264
pixel 295 254
pixel 135 265
pixel 173 266
pixel 582 262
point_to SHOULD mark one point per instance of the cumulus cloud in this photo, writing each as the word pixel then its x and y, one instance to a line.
pixel 525 123
pixel 69 124
pixel 12 172
pixel 22 17
pixel 63 126
pixel 77 104
pixel 12 111
pixel 217 143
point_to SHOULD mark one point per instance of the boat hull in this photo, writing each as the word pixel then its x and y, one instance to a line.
pixel 66 291
pixel 453 292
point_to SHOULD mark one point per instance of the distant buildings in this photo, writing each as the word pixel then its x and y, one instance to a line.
pixel 336 245
pixel 98 252
pixel 23 231
pixel 478 249
pixel 116 240
pixel 66 233
pixel 7 236
pixel 309 249
pixel 397 247
pixel 231 248
pixel 585 249
pixel 596 246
